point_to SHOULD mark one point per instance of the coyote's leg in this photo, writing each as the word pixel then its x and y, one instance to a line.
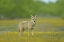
pixel 19 31
pixel 32 32
pixel 22 30
pixel 28 31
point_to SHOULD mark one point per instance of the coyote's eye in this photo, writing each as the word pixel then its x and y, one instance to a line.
pixel 33 19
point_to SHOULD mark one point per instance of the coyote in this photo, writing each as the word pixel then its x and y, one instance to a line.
pixel 27 25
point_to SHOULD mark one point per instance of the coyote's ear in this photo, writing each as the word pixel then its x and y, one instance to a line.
pixel 35 16
pixel 31 16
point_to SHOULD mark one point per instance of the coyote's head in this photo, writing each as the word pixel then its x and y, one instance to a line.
pixel 34 18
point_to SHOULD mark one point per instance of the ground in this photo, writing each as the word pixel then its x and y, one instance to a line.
pixel 46 30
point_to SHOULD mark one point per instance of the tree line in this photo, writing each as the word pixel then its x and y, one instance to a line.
pixel 11 9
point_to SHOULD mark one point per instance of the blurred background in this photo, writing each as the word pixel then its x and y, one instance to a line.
pixel 15 9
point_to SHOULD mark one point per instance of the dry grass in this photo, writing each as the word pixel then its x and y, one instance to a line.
pixel 37 37
pixel 10 33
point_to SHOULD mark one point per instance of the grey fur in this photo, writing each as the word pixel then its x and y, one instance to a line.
pixel 27 25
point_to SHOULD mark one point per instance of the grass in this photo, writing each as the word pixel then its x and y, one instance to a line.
pixel 37 37
pixel 46 30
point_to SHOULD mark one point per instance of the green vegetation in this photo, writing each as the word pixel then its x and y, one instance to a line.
pixel 11 9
